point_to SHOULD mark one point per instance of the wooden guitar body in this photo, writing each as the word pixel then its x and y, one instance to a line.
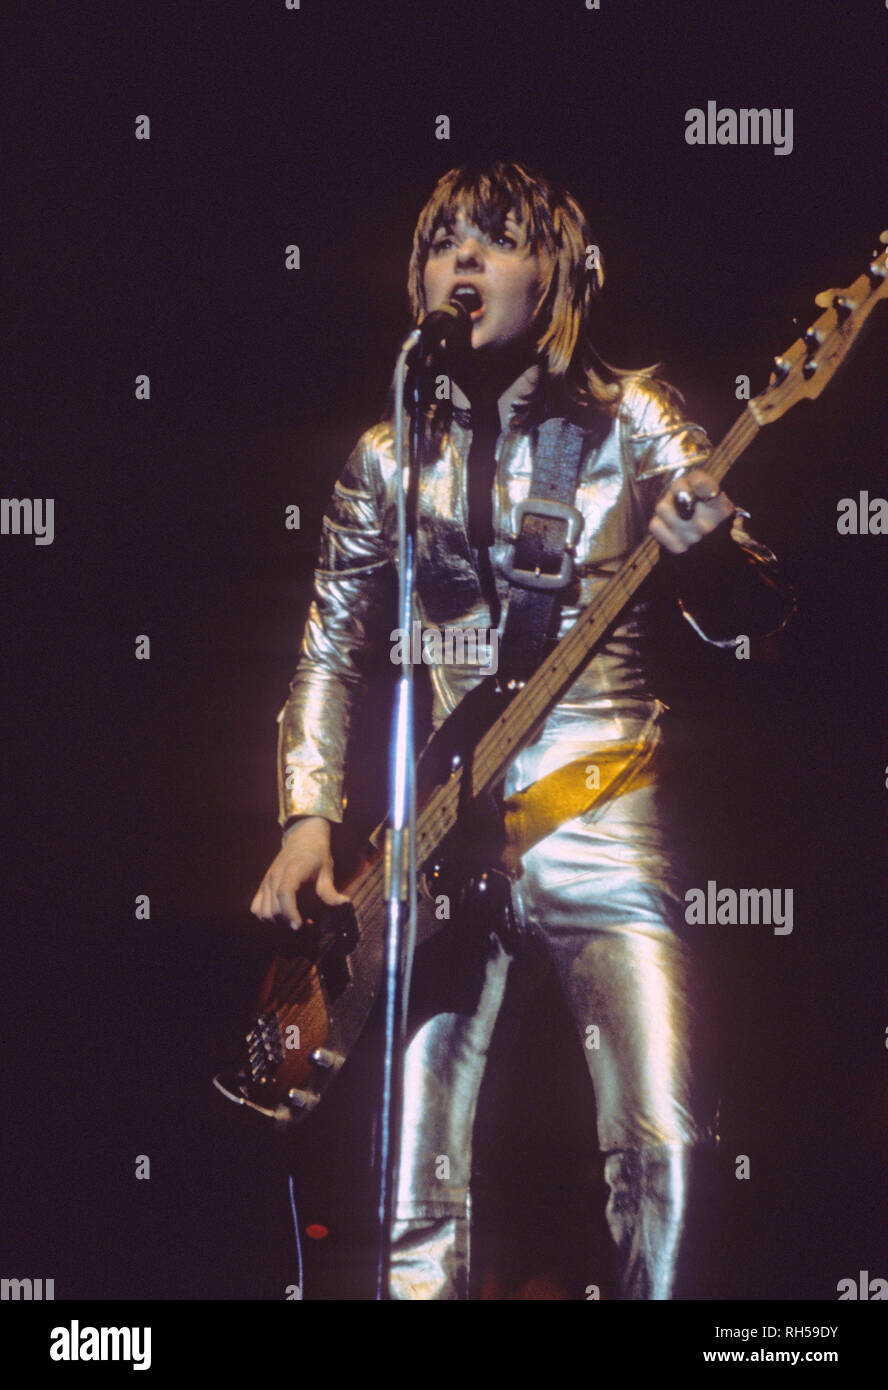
pixel 320 987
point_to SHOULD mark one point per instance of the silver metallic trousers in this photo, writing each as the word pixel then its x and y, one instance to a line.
pixel 599 893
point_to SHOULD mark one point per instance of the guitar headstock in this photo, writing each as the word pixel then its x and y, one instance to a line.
pixel 806 367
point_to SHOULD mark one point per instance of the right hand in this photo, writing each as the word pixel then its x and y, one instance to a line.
pixel 304 859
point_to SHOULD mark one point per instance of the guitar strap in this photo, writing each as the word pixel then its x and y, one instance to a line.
pixel 540 566
pixel 540 569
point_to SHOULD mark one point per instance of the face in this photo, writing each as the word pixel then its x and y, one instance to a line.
pixel 500 265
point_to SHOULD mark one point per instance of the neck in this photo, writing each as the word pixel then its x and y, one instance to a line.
pixel 473 389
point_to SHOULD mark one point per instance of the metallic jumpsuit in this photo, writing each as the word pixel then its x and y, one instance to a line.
pixel 599 890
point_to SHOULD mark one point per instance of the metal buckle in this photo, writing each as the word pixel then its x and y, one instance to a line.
pixel 559 511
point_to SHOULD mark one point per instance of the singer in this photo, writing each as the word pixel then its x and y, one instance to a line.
pixel 535 413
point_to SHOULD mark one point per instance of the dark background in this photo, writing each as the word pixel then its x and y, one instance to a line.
pixel 122 777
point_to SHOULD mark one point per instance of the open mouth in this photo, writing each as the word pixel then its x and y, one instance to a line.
pixel 469 298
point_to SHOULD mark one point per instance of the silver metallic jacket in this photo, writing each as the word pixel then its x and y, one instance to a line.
pixel 648 443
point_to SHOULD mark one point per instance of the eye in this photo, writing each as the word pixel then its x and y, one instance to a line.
pixel 441 244
pixel 506 239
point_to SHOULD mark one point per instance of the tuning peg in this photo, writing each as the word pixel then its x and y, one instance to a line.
pixel 825 298
pixel 811 338
pixel 835 299
pixel 781 368
pixel 875 273
pixel 883 237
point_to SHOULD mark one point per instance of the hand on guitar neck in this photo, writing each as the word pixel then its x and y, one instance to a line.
pixel 304 862
pixel 692 507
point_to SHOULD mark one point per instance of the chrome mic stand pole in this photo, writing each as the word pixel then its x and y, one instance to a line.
pixel 400 837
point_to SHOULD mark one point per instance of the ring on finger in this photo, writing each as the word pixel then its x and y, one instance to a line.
pixel 686 502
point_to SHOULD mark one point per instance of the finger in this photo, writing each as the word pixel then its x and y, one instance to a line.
pixel 267 899
pixel 286 907
pixel 720 507
pixel 706 489
pixel 702 525
pixel 667 508
pixel 701 484
pixel 260 904
pixel 669 538
pixel 327 891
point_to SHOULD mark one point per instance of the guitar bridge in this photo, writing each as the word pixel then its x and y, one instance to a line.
pixel 265 1047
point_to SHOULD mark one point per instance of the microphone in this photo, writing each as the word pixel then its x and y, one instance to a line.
pixel 444 330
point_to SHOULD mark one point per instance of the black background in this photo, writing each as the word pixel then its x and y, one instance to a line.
pixel 166 257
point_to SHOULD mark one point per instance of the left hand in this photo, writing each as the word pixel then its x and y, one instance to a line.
pixel 713 507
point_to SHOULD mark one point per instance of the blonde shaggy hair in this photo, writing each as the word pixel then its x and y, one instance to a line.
pixel 572 373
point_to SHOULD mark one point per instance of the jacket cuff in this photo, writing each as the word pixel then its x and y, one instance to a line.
pixel 295 806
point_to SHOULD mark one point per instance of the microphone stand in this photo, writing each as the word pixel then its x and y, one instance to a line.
pixel 400 836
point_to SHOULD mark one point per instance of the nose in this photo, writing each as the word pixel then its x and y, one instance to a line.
pixel 469 254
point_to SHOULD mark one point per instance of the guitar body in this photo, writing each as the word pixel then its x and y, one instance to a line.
pixel 319 989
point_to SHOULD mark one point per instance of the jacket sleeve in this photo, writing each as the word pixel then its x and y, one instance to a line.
pixel 728 585
pixel 351 586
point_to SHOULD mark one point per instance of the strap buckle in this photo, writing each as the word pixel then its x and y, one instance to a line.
pixel 554 511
